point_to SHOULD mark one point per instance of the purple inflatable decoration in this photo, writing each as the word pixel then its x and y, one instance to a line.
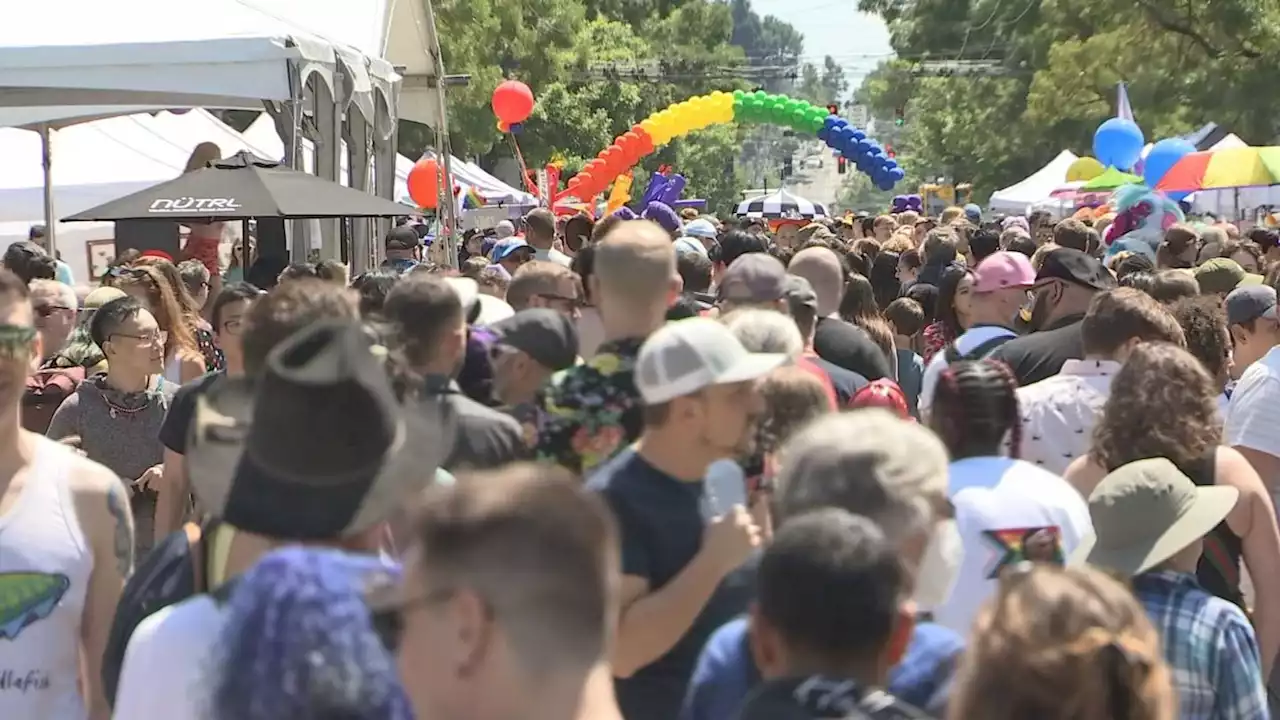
pixel 662 214
pixel 626 213
pixel 675 186
pixel 899 203
pixel 653 192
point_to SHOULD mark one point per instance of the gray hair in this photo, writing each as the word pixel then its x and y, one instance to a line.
pixel 868 462
pixel 194 275
pixel 65 293
pixel 765 331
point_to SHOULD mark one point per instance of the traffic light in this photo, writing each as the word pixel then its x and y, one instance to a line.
pixel 840 165
pixel 889 153
pixel 786 168
pixel 899 116
pixel 833 109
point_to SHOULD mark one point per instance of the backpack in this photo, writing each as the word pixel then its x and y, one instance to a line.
pixel 174 571
pixel 45 391
pixel 981 352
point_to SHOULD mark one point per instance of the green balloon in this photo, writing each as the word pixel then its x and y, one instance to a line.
pixel 738 95
pixel 798 119
pixel 760 95
pixel 738 110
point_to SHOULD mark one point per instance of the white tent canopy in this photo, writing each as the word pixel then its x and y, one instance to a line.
pixel 85 58
pixel 262 133
pixel 1019 197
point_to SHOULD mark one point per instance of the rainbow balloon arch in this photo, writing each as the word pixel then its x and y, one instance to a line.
pixel 718 107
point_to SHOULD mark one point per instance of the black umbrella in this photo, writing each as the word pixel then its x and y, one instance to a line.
pixel 241 187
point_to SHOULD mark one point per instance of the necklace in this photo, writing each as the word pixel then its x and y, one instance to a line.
pixel 116 410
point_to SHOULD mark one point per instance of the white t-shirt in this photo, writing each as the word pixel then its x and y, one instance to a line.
pixel 1001 503
pixel 552 255
pixel 164 676
pixel 1253 417
pixel 970 340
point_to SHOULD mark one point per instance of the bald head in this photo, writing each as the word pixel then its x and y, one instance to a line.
pixel 821 267
pixel 636 262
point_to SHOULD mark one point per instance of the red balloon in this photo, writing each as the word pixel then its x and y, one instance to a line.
pixel 424 183
pixel 615 159
pixel 513 102
pixel 586 182
pixel 646 140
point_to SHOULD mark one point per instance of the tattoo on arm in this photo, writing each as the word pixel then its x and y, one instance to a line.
pixel 118 505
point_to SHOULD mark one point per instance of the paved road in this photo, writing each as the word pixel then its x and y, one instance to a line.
pixel 817 184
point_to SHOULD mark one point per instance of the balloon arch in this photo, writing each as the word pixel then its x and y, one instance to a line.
pixel 720 107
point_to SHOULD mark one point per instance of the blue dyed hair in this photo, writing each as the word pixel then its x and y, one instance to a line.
pixel 299 643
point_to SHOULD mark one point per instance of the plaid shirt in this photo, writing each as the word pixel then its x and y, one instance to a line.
pixel 1209 645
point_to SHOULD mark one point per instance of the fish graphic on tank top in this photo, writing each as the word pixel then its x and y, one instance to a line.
pixel 27 598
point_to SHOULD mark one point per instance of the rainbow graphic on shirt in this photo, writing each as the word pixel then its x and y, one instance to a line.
pixel 27 598
pixel 1015 545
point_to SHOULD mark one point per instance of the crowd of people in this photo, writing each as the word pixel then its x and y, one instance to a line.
pixel 649 468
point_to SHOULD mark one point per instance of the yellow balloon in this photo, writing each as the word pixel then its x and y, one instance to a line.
pixel 1084 169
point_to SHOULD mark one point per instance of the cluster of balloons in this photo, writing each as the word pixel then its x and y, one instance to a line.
pixel 865 153
pixel 512 104
pixel 1119 143
pixel 721 107
pixel 903 203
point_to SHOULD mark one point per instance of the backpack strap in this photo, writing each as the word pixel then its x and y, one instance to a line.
pixel 953 354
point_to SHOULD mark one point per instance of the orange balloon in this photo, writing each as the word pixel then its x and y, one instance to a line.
pixel 424 183
pixel 587 181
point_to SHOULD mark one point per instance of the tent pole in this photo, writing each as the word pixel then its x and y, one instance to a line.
pixel 448 203
pixel 50 216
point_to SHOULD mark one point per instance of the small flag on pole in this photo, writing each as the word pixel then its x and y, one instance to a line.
pixel 1123 110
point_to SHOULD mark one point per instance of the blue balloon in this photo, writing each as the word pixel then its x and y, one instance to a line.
pixel 1118 143
pixel 864 146
pixel 898 174
pixel 846 134
pixel 885 185
pixel 859 134
pixel 831 121
pixel 890 164
pixel 824 135
pixel 1163 156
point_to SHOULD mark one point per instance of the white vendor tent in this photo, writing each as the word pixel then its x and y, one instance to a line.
pixel 1018 198
pixel 262 133
pixel 97 162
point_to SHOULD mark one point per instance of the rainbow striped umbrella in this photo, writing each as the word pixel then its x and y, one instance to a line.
pixel 1220 169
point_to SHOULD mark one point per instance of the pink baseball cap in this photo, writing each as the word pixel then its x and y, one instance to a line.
pixel 1003 270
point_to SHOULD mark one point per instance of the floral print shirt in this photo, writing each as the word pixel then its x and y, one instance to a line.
pixel 589 412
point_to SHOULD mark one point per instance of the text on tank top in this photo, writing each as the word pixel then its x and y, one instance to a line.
pixel 45 564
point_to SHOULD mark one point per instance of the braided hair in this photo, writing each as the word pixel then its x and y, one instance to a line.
pixel 975 407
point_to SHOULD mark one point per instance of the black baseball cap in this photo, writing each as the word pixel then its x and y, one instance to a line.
pixel 1248 303
pixel 403 238
pixel 1076 267
pixel 547 336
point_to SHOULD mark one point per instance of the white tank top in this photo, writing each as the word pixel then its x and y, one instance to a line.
pixel 173 370
pixel 45 565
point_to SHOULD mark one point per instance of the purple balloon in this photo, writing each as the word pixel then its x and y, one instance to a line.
pixel 675 186
pixel 657 184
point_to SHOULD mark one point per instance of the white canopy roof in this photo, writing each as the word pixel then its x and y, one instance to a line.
pixel 262 133
pixel 1020 196
pixel 67 59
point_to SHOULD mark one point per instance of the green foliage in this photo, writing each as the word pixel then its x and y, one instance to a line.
pixel 822 86
pixel 1185 64
pixel 552 44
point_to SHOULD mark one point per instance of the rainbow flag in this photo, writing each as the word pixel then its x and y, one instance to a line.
pixel 472 200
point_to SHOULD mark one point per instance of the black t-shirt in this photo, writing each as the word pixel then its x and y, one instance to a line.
pixel 661 521
pixel 817 697
pixel 177 422
pixel 846 382
pixel 1041 355
pixel 850 347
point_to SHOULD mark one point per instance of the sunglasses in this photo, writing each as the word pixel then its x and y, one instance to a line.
pixel 45 311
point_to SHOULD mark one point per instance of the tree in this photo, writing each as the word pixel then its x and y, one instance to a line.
pixel 1184 63
pixel 834 84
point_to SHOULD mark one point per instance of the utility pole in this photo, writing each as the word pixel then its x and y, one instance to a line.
pixel 447 209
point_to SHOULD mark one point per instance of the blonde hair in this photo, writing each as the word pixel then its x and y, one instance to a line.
pixel 636 261
pixel 538 277
pixel 950 215
pixel 908 219
pixel 1063 644
pixel 900 241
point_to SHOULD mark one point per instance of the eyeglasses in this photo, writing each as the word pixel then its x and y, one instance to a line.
pixel 387 610
pixel 45 311
pixel 154 338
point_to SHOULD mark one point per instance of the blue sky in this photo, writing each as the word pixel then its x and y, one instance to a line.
pixel 857 41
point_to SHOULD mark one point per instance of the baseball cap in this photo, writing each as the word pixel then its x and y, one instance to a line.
pixel 1146 512
pixel 800 294
pixel 1076 267
pixel 1222 275
pixel 689 245
pixel 973 213
pixel 686 356
pixel 1002 270
pixel 700 228
pixel 753 278
pixel 504 229
pixel 506 246
pixel 547 336
pixel 1248 303
pixel 403 238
